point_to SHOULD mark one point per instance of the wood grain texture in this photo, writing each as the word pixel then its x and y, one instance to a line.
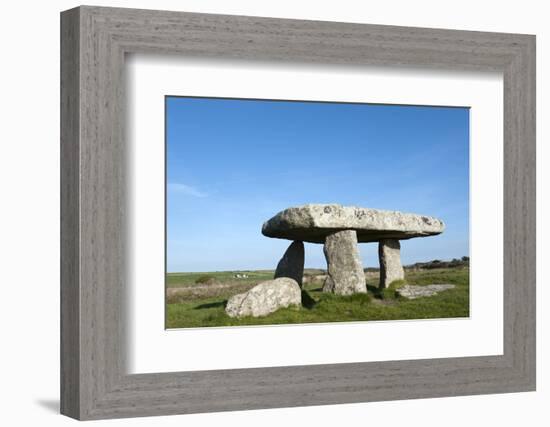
pixel 70 221
pixel 94 382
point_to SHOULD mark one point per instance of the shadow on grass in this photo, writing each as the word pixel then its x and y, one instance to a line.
pixel 307 302
pixel 382 294
pixel 211 305
pixel 375 291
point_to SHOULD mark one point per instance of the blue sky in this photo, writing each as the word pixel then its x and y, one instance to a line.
pixel 232 164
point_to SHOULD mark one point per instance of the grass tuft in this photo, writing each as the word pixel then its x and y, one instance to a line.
pixel 397 283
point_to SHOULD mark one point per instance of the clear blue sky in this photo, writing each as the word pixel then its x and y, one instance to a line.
pixel 232 164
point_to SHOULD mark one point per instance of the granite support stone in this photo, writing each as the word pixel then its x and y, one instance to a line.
pixel 345 270
pixel 389 254
pixel 291 264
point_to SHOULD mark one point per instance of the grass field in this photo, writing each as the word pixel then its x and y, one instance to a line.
pixel 198 299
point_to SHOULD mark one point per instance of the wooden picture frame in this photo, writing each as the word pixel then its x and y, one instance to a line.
pixel 94 382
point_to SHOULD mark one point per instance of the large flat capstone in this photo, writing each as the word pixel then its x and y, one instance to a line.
pixel 314 222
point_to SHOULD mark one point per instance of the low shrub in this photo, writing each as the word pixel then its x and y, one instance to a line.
pixel 205 279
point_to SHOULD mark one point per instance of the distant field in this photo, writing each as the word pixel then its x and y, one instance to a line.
pixel 176 280
pixel 198 299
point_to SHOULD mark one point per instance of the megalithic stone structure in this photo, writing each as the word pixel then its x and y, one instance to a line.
pixel 323 223
pixel 389 255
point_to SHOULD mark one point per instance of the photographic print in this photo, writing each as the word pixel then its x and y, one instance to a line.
pixel 296 212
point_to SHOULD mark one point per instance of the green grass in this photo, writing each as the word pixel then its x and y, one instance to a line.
pixel 201 305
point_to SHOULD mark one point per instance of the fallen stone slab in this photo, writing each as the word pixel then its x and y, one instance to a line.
pixel 415 291
pixel 314 222
pixel 345 269
pixel 265 298
pixel 291 264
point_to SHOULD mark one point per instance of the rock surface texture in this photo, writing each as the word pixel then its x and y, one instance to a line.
pixel 389 255
pixel 345 270
pixel 313 223
pixel 265 298
pixel 412 292
pixel 291 264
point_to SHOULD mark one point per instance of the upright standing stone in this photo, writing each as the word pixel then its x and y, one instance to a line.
pixel 291 264
pixel 345 270
pixel 389 254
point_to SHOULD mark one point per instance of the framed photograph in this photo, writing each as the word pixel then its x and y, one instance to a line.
pixel 261 213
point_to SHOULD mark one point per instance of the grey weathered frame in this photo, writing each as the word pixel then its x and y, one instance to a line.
pixel 94 383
